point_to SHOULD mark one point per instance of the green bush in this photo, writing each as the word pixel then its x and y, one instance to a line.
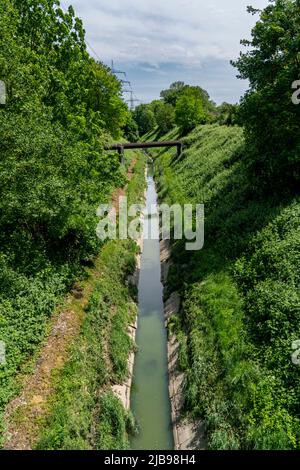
pixel 165 117
pixel 240 295
pixel 270 118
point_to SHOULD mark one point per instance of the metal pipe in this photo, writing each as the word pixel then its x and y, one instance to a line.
pixel 143 145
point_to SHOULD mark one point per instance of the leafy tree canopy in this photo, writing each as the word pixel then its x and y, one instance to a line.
pixel 227 114
pixel 190 110
pixel 271 120
pixel 61 108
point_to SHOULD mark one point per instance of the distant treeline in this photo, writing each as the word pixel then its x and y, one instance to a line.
pixel 181 105
pixel 269 116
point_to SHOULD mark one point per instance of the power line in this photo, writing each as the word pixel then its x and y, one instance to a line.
pixel 133 99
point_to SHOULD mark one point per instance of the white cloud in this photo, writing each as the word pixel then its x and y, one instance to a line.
pixel 160 41
pixel 154 31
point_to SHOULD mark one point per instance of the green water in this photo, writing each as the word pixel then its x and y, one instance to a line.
pixel 149 397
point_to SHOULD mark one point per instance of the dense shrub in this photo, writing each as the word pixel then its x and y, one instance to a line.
pixel 83 413
pixel 190 110
pixel 61 108
pixel 240 312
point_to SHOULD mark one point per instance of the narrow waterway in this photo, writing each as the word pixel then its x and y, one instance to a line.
pixel 149 397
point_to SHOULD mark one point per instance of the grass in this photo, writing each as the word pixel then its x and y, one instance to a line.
pixel 240 311
pixel 98 359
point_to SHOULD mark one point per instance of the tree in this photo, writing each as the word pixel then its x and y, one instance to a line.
pixel 177 89
pixel 144 117
pixel 190 110
pixel 227 114
pixel 131 130
pixel 62 106
pixel 165 117
pixel 271 120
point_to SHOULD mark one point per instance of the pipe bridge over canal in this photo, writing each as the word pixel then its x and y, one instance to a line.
pixel 121 147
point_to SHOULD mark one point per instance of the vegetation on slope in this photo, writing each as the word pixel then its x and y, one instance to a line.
pixel 270 117
pixel 60 110
pixel 240 311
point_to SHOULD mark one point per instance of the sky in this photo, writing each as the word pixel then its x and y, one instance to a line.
pixel 157 42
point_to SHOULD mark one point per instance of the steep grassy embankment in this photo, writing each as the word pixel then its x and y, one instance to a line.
pixel 84 413
pixel 240 311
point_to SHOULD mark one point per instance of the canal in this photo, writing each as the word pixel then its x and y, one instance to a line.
pixel 150 402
